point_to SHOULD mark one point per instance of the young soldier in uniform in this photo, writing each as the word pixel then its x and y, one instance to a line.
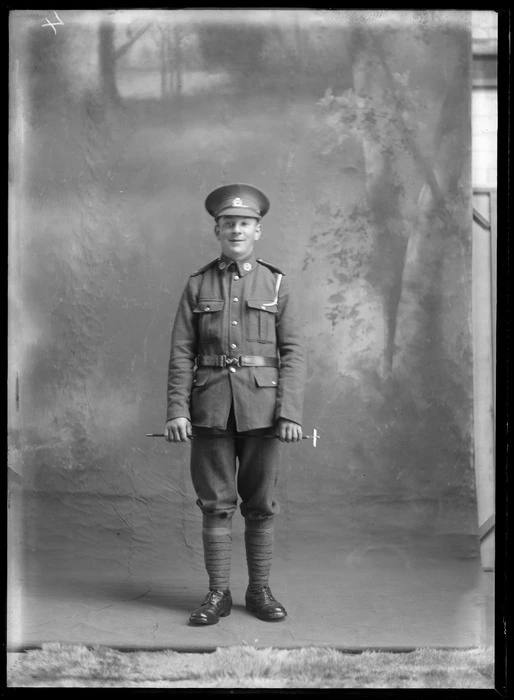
pixel 236 368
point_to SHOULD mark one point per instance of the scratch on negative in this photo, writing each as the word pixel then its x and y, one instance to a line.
pixel 125 600
pixel 146 337
pixel 120 515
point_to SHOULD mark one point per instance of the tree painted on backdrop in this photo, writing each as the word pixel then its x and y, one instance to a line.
pixel 401 237
pixel 109 54
pixel 233 45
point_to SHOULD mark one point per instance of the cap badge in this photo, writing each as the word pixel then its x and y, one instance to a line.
pixel 238 202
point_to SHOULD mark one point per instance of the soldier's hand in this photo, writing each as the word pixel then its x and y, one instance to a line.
pixel 289 431
pixel 178 430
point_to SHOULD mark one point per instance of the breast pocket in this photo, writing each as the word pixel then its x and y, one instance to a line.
pixel 260 323
pixel 209 319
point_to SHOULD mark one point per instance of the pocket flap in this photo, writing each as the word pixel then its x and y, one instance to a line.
pixel 263 305
pixel 200 377
pixel 266 376
pixel 208 306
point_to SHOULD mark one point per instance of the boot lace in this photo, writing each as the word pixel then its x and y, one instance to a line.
pixel 214 597
pixel 265 593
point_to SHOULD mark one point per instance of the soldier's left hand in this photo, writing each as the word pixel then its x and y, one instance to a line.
pixel 288 431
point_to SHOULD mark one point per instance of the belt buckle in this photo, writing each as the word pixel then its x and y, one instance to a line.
pixel 232 360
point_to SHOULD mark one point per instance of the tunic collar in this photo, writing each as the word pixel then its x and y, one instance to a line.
pixel 243 267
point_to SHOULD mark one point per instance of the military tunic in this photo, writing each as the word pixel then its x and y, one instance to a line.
pixel 235 309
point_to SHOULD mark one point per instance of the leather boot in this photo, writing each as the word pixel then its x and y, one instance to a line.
pixel 264 605
pixel 216 604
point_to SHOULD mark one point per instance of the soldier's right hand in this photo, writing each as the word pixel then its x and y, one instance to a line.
pixel 178 430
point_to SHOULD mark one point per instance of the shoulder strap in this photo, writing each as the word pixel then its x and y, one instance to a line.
pixel 205 267
pixel 270 266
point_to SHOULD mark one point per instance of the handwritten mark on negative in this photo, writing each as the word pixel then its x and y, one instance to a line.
pixel 57 24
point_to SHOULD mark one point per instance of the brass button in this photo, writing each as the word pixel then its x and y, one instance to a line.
pixel 207 308
pixel 273 382
pixel 235 299
pixel 263 307
pixel 234 323
pixel 233 346
pixel 236 277
pixel 232 369
pixel 247 267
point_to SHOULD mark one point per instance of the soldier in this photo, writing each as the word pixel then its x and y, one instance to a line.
pixel 236 368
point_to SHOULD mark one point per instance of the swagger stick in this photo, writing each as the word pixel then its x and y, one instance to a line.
pixel 314 437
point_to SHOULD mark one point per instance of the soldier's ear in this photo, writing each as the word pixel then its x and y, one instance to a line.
pixel 258 231
pixel 216 230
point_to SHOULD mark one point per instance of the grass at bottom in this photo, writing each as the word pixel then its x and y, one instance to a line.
pixel 58 665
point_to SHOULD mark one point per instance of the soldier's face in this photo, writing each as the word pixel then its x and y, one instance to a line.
pixel 237 235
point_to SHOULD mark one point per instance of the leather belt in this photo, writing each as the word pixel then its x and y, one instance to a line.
pixel 240 361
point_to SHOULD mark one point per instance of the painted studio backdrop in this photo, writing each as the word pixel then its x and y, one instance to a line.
pixel 357 126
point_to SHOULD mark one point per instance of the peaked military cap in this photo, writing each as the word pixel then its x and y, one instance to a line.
pixel 237 200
